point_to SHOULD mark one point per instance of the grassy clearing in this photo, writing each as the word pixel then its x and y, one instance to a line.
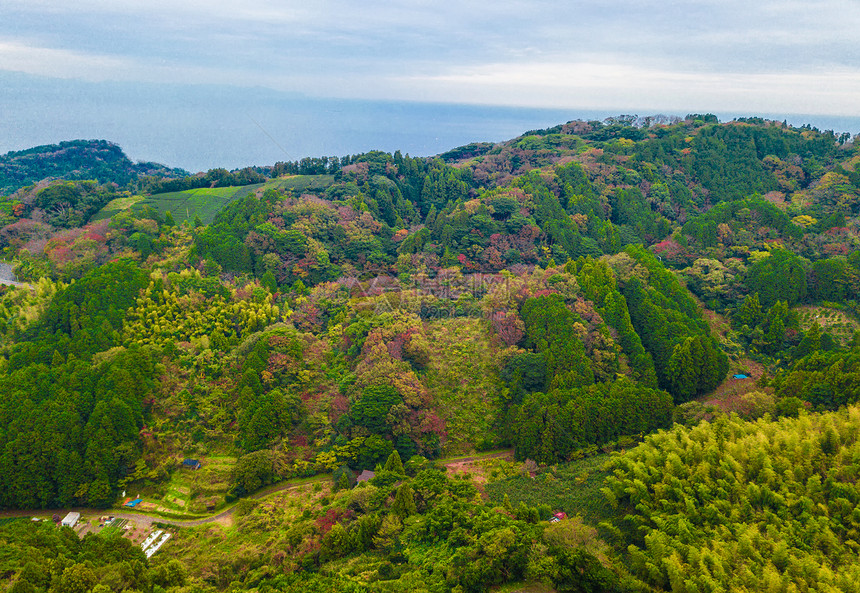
pixel 174 500
pixel 484 469
pixel 219 461
pixel 321 479
pixel 728 395
pixel 196 494
pixel 116 206
pixel 178 494
pixel 570 487
pixel 204 487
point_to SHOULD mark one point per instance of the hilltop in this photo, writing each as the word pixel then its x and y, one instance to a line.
pixel 99 160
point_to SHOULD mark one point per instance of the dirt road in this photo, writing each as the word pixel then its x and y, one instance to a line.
pixel 225 517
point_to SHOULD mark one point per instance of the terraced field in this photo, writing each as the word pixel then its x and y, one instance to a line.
pixel 204 202
pixel 116 206
pixel 207 202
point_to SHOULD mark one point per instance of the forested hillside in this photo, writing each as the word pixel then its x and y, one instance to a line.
pixel 75 160
pixel 564 294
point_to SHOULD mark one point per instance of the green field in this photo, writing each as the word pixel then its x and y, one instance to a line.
pixel 207 202
pixel 116 206
pixel 570 487
pixel 203 202
pixel 114 528
pixel 300 183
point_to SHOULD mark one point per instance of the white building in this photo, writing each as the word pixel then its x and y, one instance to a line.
pixel 71 519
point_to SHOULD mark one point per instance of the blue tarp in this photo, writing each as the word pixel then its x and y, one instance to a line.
pixel 739 377
pixel 134 502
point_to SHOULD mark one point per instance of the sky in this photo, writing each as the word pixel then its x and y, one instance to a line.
pixel 646 57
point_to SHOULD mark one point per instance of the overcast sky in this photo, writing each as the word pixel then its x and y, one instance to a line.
pixel 778 56
pixel 748 57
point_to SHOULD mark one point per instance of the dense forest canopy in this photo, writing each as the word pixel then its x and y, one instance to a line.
pixel 591 287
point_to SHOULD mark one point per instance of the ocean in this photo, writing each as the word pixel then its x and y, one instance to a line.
pixel 199 127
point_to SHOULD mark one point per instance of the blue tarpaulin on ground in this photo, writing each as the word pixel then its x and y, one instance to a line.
pixel 134 502
pixel 739 377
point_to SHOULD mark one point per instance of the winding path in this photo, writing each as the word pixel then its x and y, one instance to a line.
pixel 146 519
pixel 225 516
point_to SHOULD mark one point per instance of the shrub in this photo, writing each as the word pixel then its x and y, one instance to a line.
pixel 756 404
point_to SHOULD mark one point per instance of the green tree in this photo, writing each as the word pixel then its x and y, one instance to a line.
pixel 551 331
pixel 268 281
pixel 371 409
pixel 22 586
pixel 577 571
pixel 342 483
pixel 373 450
pixel 77 578
pixel 337 543
pixel 252 472
pixel 389 532
pixel 750 312
pixel 779 277
pixel 404 502
pixel 695 367
pixel 394 464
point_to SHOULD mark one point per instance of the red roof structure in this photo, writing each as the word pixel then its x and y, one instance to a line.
pixel 365 476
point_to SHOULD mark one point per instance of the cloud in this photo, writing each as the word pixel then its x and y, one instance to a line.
pixel 160 10
pixel 29 58
pixel 19 56
pixel 602 85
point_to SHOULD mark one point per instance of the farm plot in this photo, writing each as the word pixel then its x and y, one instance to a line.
pixel 202 202
pixel 837 323
pixel 570 487
pixel 207 202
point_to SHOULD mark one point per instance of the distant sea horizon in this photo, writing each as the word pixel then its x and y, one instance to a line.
pixel 200 127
